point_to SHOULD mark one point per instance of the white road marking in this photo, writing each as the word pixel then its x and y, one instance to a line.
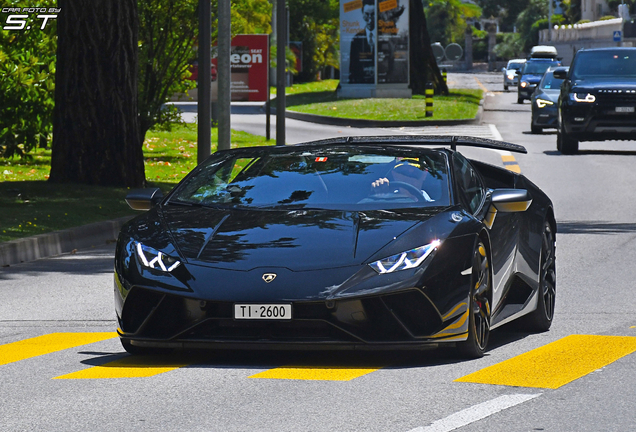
pixel 475 413
pixel 495 132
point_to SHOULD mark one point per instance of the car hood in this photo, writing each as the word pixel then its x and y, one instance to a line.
pixel 297 239
pixel 551 95
pixel 531 78
pixel 595 85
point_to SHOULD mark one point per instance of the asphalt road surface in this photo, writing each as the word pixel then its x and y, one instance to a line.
pixel 62 368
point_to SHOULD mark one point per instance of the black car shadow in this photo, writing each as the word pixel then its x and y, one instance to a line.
pixel 257 359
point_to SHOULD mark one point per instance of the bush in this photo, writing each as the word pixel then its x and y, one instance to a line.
pixel 27 85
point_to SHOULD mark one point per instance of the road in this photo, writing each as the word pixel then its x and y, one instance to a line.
pixel 62 369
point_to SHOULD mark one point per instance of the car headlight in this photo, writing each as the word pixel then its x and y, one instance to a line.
pixel 524 84
pixel 542 103
pixel 155 259
pixel 511 76
pixel 583 97
pixel 405 260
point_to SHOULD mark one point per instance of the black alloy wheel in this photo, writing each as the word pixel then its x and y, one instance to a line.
pixel 566 144
pixel 541 319
pixel 479 306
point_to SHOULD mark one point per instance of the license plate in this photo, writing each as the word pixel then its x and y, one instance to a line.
pixel 624 109
pixel 263 311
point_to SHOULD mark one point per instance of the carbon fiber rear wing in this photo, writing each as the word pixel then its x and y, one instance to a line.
pixel 451 140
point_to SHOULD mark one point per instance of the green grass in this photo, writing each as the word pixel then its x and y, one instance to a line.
pixel 320 98
pixel 29 205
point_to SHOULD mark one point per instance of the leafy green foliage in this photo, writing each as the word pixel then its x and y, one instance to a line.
pixel 27 84
pixel 168 38
pixel 536 10
pixel 316 25
pixel 447 19
pixel 510 46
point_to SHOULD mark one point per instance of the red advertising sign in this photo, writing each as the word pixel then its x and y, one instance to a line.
pixel 249 66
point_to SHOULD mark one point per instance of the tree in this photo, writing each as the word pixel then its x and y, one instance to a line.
pixel 315 24
pixel 27 70
pixel 168 34
pixel 105 104
pixel 95 123
pixel 449 18
pixel 507 11
pixel 423 66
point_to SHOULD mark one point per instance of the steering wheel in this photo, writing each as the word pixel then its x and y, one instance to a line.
pixel 412 189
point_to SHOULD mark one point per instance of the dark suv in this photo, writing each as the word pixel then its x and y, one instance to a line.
pixel 598 98
pixel 531 74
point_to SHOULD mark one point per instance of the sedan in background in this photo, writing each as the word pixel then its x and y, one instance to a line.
pixel 350 243
pixel 509 73
pixel 544 101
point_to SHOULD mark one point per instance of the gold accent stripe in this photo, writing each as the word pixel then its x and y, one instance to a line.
pixel 556 364
pixel 47 344
pixel 508 158
pixel 128 367
pixel 315 373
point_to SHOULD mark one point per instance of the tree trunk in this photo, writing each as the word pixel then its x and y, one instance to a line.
pixel 95 123
pixel 423 64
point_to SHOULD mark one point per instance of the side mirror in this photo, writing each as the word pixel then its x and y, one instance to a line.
pixel 506 201
pixel 144 199
pixel 517 72
pixel 560 73
pixel 511 200
pixel 503 69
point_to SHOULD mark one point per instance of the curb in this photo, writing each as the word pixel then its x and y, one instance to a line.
pixel 60 242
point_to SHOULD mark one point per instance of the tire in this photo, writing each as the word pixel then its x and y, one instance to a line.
pixel 505 87
pixel 478 306
pixel 541 318
pixel 519 100
pixel 536 129
pixel 137 350
pixel 566 144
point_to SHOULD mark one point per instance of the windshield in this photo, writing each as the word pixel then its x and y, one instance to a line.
pixel 611 63
pixel 549 82
pixel 515 66
pixel 538 68
pixel 326 178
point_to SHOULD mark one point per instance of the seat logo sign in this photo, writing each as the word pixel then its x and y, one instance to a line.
pixel 268 277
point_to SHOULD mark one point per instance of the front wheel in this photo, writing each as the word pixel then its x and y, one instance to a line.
pixel 519 100
pixel 541 319
pixel 536 129
pixel 478 306
pixel 566 144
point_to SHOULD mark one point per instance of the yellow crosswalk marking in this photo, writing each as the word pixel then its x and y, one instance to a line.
pixel 556 364
pixel 37 346
pixel 315 373
pixel 128 367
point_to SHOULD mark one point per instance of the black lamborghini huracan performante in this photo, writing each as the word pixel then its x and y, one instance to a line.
pixel 350 243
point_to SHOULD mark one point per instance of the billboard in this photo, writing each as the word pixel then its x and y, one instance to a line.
pixel 249 67
pixel 374 42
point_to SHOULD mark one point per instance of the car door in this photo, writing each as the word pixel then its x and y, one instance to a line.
pixel 473 195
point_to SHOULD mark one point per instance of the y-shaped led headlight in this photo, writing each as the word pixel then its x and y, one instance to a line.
pixel 405 260
pixel 155 259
